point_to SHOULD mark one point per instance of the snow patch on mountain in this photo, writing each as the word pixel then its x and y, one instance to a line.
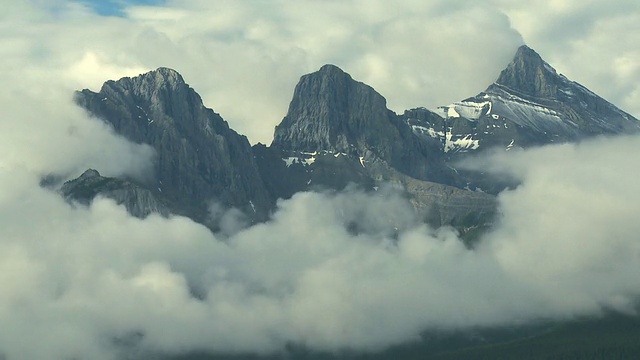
pixel 467 109
pixel 419 130
pixel 460 144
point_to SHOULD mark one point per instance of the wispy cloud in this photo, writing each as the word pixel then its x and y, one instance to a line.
pixel 566 245
pixel 76 278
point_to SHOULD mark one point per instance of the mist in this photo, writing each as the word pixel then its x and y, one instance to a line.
pixel 76 278
pixel 93 282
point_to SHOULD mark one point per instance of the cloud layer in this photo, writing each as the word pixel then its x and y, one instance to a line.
pixel 246 57
pixel 85 282
pixel 566 245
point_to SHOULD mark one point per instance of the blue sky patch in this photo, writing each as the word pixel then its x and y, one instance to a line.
pixel 116 7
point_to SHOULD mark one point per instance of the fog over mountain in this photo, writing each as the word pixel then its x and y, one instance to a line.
pixel 94 282
pixel 424 53
pixel 75 277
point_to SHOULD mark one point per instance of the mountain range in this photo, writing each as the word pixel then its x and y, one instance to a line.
pixel 337 132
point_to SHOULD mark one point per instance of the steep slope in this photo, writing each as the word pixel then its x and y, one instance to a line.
pixel 330 112
pixel 529 104
pixel 199 159
pixel 338 131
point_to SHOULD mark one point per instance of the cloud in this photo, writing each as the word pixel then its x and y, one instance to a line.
pixel 245 58
pixel 567 32
pixel 43 131
pixel 46 133
pixel 409 54
pixel 329 269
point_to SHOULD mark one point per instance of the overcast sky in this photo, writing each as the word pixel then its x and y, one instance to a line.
pixel 244 57
pixel 74 279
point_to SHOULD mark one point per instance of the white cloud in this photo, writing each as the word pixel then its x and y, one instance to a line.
pixel 246 57
pixel 591 42
pixel 75 278
pixel 565 246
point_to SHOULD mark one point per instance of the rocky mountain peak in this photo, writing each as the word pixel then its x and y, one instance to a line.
pixel 529 104
pixel 529 74
pixel 199 159
pixel 89 173
pixel 167 74
pixel 161 78
pixel 330 111
pixel 332 70
pixel 138 200
pixel 163 75
pixel 150 83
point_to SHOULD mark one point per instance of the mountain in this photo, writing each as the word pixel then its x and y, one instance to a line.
pixel 339 132
pixel 529 104
pixel 138 200
pixel 333 113
pixel 199 159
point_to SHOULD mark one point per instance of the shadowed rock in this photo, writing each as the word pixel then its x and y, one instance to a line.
pixel 199 159
pixel 139 201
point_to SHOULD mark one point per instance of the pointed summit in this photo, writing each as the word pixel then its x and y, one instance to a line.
pixel 332 70
pixel 150 82
pixel 532 104
pixel 199 158
pixel 164 75
pixel 330 111
pixel 529 74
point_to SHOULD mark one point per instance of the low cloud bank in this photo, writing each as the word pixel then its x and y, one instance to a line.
pixel 329 271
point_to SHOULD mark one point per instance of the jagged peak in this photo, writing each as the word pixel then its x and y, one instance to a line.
pixel 526 52
pixel 327 108
pixel 331 70
pixel 330 74
pixel 166 71
pixel 529 74
pixel 89 173
pixel 163 75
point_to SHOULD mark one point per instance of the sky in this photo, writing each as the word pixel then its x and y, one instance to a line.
pixel 244 57
pixel 82 280
pixel 116 7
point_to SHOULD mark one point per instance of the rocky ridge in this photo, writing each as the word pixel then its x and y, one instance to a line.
pixel 337 132
pixel 138 200
pixel 199 159
pixel 529 104
pixel 332 113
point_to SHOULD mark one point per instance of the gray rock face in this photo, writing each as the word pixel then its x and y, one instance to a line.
pixel 138 201
pixel 198 157
pixel 529 104
pixel 529 75
pixel 331 112
pixel 339 131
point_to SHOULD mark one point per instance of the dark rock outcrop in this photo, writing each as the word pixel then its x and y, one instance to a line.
pixel 138 200
pixel 529 75
pixel 333 113
pixel 199 159
pixel 529 104
pixel 338 132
